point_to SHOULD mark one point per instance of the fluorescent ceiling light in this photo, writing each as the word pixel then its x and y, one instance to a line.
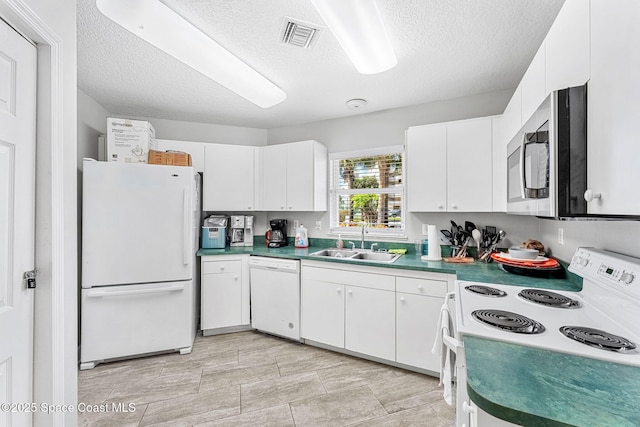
pixel 358 26
pixel 155 23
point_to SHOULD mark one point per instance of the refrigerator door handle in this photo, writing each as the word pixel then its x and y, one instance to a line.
pixel 185 228
pixel 109 293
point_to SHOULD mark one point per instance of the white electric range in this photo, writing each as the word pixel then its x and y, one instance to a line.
pixel 602 321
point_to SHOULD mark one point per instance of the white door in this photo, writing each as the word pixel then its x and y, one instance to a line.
pixel 17 210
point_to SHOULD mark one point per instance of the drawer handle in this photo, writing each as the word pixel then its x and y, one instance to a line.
pixel 235 277
pixel 420 287
pixel 350 292
pixel 402 299
pixel 222 267
pixel 338 290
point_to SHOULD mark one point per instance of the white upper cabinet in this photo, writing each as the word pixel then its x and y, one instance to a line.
pixel 469 165
pixel 449 166
pixel 499 165
pixel 614 107
pixel 426 153
pixel 294 177
pixel 229 178
pixel 567 47
pixel 511 120
pixel 196 149
pixel 533 85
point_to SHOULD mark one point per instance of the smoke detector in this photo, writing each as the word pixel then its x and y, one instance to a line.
pixel 296 32
pixel 356 104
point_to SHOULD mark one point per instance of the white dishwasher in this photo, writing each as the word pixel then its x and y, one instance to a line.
pixel 275 296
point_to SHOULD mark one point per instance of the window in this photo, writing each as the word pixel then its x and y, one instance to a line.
pixel 368 186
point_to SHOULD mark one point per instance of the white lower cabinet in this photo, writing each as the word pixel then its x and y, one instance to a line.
pixel 418 302
pixel 383 313
pixel 224 292
pixel 370 322
pixel 322 312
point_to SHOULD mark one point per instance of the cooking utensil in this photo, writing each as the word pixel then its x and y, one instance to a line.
pixel 469 227
pixel 477 236
pixel 448 235
pixel 463 250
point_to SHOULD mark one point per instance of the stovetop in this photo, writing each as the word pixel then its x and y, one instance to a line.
pixel 609 303
pixel 551 319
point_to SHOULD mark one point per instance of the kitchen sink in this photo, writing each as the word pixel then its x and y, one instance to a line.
pixel 335 253
pixel 368 256
pixel 376 256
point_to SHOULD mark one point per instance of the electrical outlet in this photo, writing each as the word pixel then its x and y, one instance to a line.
pixel 318 225
pixel 561 236
pixel 296 224
pixel 424 230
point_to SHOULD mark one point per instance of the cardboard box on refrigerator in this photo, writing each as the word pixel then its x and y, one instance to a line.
pixel 129 141
pixel 174 158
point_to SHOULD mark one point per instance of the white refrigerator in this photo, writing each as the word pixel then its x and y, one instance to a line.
pixel 140 284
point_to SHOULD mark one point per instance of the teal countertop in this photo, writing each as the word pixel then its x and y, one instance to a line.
pixel 474 272
pixel 535 387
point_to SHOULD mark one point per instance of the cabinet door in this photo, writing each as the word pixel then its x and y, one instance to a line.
pixel 427 168
pixel 533 85
pixel 196 149
pixel 469 166
pixel 322 312
pixel 416 321
pixel 274 177
pixel 512 116
pixel 567 47
pixel 499 165
pixel 370 326
pixel 300 176
pixel 229 178
pixel 221 300
pixel 614 107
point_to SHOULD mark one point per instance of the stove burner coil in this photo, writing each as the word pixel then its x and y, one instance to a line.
pixel 551 299
pixel 597 338
pixel 486 291
pixel 508 321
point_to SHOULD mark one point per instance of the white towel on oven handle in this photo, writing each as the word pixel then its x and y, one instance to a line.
pixel 440 348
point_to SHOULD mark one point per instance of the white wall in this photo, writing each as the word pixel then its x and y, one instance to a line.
pixel 92 122
pixel 206 132
pixel 384 128
pixel 616 236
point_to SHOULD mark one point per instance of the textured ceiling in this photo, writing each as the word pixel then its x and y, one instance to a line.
pixel 445 48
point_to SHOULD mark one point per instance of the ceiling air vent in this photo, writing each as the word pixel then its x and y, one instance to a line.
pixel 299 33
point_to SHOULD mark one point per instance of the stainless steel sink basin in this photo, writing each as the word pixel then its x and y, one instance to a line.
pixel 368 256
pixel 335 253
pixel 376 256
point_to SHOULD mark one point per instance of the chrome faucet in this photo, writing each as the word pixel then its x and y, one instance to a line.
pixel 364 230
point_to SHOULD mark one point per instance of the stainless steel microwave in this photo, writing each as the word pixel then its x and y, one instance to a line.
pixel 547 159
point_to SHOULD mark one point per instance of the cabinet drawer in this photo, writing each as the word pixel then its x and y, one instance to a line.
pixel 217 267
pixel 410 285
pixel 353 278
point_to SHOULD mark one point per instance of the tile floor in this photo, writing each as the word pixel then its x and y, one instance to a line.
pixel 252 379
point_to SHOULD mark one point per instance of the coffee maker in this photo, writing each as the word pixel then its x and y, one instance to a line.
pixel 241 230
pixel 278 233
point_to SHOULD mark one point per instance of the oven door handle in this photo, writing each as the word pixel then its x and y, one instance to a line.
pixel 452 343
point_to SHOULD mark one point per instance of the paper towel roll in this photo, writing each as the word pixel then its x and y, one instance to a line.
pixel 434 244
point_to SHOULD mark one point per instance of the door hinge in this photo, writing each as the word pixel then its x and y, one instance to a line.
pixel 31 278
